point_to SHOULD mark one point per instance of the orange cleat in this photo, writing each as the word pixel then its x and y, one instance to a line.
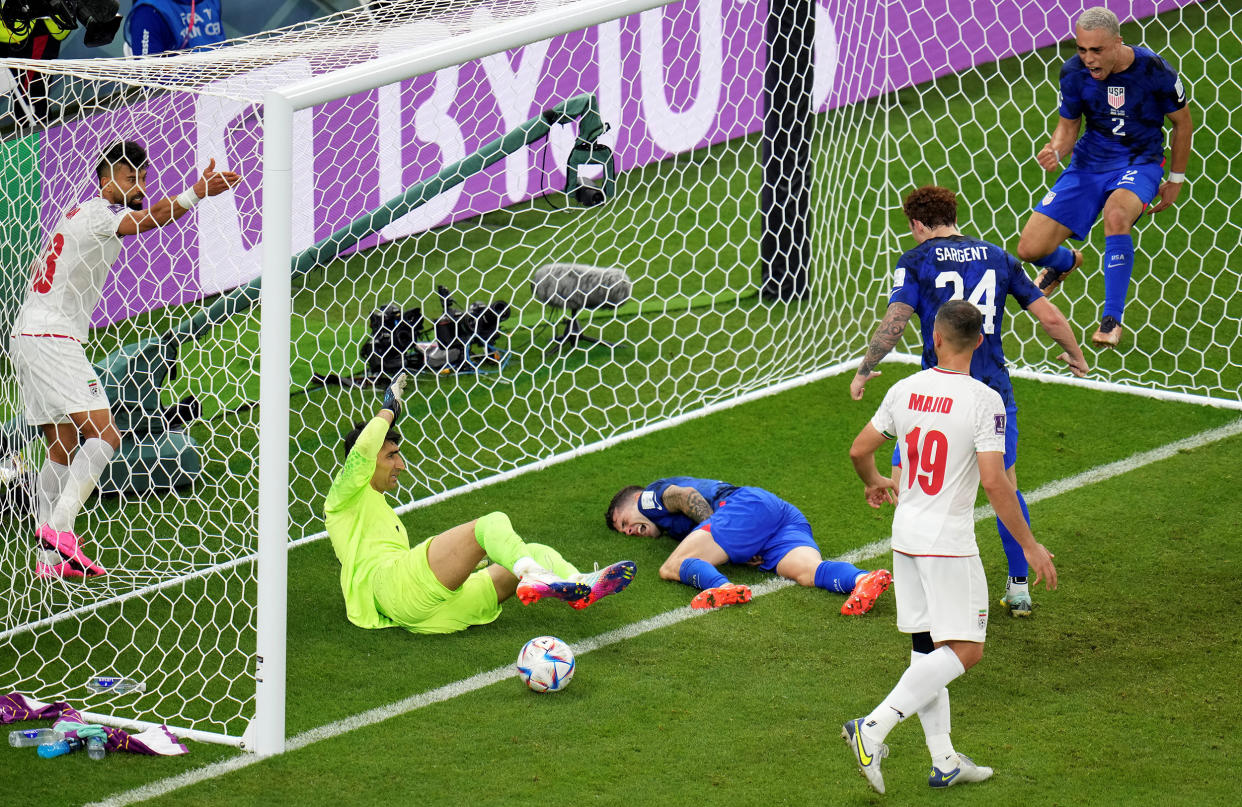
pixel 1109 333
pixel 866 591
pixel 728 594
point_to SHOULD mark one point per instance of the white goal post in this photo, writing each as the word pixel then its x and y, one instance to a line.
pixel 761 153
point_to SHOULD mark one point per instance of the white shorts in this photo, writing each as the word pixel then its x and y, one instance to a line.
pixel 947 597
pixel 55 378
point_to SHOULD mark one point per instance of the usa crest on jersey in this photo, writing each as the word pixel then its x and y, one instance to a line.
pixel 1116 97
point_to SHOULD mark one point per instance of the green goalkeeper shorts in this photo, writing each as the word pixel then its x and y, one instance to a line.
pixel 407 592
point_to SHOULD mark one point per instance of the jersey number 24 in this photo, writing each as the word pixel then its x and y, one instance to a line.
pixel 983 295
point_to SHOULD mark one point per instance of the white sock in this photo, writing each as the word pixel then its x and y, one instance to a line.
pixel 50 482
pixel 921 681
pixel 934 715
pixel 524 566
pixel 84 471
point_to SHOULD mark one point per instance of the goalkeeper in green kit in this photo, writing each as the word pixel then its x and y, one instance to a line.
pixel 435 587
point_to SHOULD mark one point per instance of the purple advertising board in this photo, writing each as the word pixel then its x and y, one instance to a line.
pixel 669 81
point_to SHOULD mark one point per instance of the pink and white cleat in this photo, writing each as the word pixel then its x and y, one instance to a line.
pixel 75 564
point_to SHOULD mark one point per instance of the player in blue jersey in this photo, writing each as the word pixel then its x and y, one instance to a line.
pixel 947 265
pixel 715 522
pixel 1124 93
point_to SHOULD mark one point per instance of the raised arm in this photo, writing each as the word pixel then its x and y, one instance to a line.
pixel 687 501
pixel 1057 326
pixel 885 338
pixel 168 210
pixel 1060 144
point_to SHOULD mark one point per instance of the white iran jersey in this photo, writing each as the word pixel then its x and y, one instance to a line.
pixel 69 276
pixel 940 420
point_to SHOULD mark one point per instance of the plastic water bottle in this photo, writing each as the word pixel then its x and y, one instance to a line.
pixel 108 683
pixel 95 747
pixel 60 747
pixel 24 738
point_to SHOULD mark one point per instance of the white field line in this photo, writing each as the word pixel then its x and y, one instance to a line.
pixel 449 691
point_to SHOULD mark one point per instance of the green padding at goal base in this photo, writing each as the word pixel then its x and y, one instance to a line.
pixel 152 463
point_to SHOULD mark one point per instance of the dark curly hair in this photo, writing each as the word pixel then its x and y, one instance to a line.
pixel 933 205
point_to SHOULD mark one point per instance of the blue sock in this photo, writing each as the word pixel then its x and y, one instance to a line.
pixel 701 574
pixel 1013 550
pixel 1060 259
pixel 1118 266
pixel 832 575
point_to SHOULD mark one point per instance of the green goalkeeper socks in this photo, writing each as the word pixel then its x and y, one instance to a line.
pixel 495 535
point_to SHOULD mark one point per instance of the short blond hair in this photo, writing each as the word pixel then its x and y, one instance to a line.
pixel 1100 19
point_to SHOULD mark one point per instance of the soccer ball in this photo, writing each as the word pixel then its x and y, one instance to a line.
pixel 546 664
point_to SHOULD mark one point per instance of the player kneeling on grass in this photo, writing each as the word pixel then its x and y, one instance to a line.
pixel 716 522
pixel 942 594
pixel 436 587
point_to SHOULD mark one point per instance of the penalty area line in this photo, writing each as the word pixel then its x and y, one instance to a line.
pixel 475 682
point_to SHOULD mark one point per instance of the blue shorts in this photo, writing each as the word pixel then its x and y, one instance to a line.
pixel 1077 197
pixel 754 522
pixel 1011 440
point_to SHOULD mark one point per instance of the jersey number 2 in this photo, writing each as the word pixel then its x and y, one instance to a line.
pixel 983 296
pixel 44 274
pixel 926 456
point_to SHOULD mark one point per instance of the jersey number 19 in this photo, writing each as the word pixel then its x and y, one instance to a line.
pixel 926 456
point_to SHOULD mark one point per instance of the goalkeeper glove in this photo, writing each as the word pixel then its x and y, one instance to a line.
pixel 392 395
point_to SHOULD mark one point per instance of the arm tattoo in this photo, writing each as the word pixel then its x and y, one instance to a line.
pixel 689 502
pixel 886 336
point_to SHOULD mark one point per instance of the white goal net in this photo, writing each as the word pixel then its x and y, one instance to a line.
pixel 423 210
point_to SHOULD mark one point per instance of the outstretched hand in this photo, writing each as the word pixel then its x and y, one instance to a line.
pixel 1077 366
pixel 394 394
pixel 1168 193
pixel 214 183
pixel 882 491
pixel 1040 561
pixel 858 385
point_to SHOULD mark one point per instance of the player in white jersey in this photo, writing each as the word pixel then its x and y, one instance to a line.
pixel 59 388
pixel 951 432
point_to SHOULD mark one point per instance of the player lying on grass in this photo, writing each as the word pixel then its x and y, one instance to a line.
pixel 59 388
pixel 436 587
pixel 938 581
pixel 1125 93
pixel 715 522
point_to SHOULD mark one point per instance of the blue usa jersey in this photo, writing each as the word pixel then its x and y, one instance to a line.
pixel 1124 113
pixel 957 268
pixel 676 525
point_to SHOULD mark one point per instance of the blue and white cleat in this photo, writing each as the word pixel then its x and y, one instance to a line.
pixel 867 759
pixel 542 583
pixel 965 772
pixel 1018 603
pixel 609 580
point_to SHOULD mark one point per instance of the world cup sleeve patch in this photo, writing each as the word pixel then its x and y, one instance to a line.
pixel 648 500
pixel 999 420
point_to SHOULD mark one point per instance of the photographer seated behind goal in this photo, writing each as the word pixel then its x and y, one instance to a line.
pixel 436 587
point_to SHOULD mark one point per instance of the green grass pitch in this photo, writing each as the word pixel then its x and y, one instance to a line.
pixel 1120 690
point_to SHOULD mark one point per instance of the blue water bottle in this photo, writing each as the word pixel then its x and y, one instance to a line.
pixel 60 747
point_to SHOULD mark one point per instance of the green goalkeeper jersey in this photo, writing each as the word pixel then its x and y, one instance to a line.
pixel 364 529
